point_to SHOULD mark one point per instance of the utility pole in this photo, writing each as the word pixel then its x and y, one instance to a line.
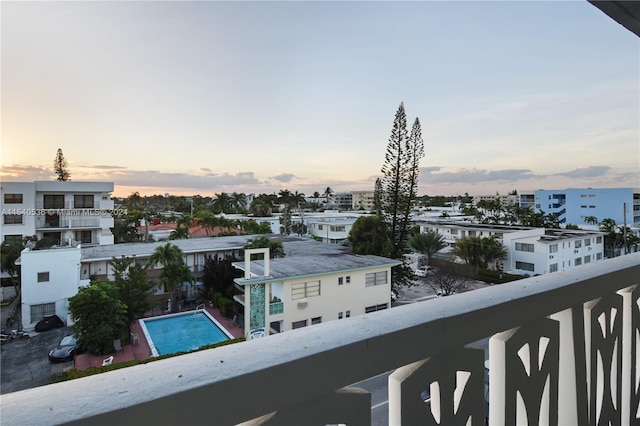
pixel 624 228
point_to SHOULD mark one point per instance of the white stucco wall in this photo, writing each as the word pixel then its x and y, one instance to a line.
pixel 333 298
pixel 63 266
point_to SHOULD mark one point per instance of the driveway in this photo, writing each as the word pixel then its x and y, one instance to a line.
pixel 24 362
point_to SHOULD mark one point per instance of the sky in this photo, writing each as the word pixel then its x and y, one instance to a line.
pixel 208 97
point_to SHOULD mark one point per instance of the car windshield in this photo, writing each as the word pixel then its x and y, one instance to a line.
pixel 68 341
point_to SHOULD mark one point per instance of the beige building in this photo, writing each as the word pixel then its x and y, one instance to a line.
pixel 362 200
pixel 313 284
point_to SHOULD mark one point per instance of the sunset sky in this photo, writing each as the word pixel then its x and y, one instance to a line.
pixel 255 97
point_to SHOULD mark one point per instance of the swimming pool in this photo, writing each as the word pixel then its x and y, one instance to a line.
pixel 182 332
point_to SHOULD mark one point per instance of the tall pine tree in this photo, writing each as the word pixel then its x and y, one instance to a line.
pixel 400 185
pixel 60 167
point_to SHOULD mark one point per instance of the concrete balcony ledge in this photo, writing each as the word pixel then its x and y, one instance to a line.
pixel 305 371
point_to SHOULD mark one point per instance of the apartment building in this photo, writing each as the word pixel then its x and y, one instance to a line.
pixel 530 251
pixel 540 251
pixel 575 205
pixel 316 284
pixel 64 212
pixel 51 276
pixel 362 200
pixel 505 200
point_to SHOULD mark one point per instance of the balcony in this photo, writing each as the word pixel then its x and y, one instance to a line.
pixel 276 308
pixel 563 350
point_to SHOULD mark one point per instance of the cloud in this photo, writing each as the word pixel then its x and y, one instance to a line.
pixel 474 175
pixel 104 167
pixel 586 172
pixel 283 177
pixel 34 172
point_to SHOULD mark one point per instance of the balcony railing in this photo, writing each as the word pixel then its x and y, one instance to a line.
pixel 43 223
pixel 563 350
pixel 276 308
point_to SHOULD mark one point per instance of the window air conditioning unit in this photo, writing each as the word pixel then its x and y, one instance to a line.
pixel 302 305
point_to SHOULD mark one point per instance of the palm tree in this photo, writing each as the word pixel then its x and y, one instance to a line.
pixel 427 243
pixel 238 201
pixel 591 220
pixel 480 252
pixel 174 271
pixel 262 205
pixel 284 196
pixel 222 203
pixel 297 198
pixel 327 193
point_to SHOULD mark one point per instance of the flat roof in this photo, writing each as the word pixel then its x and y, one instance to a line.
pixel 189 245
pixel 306 258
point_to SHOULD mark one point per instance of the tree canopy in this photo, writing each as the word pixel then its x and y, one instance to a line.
pixel 369 235
pixel 100 316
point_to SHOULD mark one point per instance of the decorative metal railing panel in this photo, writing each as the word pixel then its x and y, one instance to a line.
pixel 563 350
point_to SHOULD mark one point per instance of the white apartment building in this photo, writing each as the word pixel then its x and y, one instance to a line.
pixel 332 231
pixel 530 251
pixel 540 251
pixel 64 212
pixel 318 283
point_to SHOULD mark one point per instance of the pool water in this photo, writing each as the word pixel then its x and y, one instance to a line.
pixel 182 332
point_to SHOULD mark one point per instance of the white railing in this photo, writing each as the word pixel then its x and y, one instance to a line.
pixel 563 351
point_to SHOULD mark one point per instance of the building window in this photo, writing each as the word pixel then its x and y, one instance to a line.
pixel 347 314
pixel 553 267
pixel 12 219
pixel 13 198
pixel 375 308
pixel 578 244
pixel 525 266
pixel 43 277
pixel 524 247
pixel 54 201
pixel 13 238
pixel 587 242
pixel 587 259
pixel 337 229
pixel 599 256
pixel 83 201
pixel 599 239
pixel 454 232
pixel 537 206
pixel 553 248
pixel 83 237
pixel 375 278
pixel 339 315
pixel 348 279
pixel 320 227
pixel 298 324
pixel 340 280
pixel 578 261
pixel 302 290
pixel 472 233
pixel 40 311
pixel 316 320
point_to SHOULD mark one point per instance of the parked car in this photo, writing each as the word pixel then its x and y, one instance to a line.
pixel 49 323
pixel 423 271
pixel 66 349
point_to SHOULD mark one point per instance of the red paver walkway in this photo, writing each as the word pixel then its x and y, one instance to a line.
pixel 141 350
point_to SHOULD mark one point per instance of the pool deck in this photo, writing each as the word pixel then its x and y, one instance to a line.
pixel 141 350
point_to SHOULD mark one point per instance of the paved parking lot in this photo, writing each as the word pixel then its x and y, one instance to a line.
pixel 24 363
